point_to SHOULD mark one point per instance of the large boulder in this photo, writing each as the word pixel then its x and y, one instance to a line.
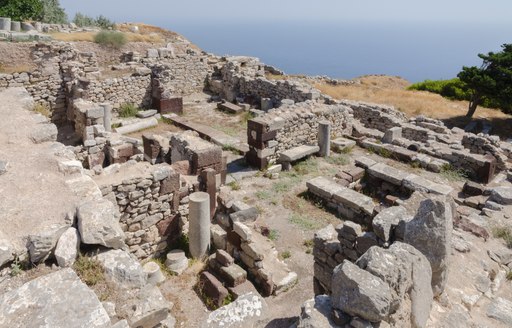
pixel 6 250
pixel 57 300
pixel 408 274
pixel 430 232
pixel 98 223
pixel 359 293
pixel 122 269
pixel 67 247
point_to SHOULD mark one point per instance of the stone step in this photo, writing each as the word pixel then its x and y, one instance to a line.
pixel 296 153
pixel 230 107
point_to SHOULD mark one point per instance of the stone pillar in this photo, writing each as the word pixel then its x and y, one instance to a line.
pixel 107 116
pixel 38 26
pixel 199 224
pixel 5 23
pixel 154 273
pixel 266 104
pixel 15 26
pixel 209 185
pixel 324 138
pixel 392 134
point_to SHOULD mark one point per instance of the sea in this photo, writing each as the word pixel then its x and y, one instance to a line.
pixel 345 50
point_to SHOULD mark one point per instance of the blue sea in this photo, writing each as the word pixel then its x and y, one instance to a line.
pixel 414 51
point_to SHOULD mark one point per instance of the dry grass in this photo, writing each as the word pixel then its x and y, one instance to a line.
pixel 392 91
pixel 21 68
pixel 71 37
pixel 89 37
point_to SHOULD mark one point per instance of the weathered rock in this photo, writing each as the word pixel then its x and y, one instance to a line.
pixel 430 232
pixel 98 223
pixel 501 310
pixel 245 216
pixel 502 195
pixel 359 293
pixel 67 247
pixel 6 251
pixel 40 246
pixel 316 313
pixel 44 133
pixel 122 268
pixel 247 311
pixel 176 261
pixel 502 255
pixel 384 222
pixel 3 167
pixel 46 302
pixel 148 308
pixel 153 272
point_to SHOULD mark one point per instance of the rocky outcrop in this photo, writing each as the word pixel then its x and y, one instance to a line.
pixel 430 231
pixel 57 300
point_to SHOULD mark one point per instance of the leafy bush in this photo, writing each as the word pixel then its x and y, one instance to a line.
pixel 128 110
pixel 453 89
pixel 104 22
pixel 111 39
pixel 52 12
pixel 82 20
pixel 20 10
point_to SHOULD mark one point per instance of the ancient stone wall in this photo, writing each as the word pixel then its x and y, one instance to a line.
pixel 46 83
pixel 291 126
pixel 379 117
pixel 148 200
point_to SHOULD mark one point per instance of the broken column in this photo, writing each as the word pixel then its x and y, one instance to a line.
pixel 107 116
pixel 324 138
pixel 199 224
pixel 5 24
pixel 266 104
pixel 155 275
pixel 15 26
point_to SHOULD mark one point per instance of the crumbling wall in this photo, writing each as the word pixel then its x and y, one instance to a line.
pixel 372 116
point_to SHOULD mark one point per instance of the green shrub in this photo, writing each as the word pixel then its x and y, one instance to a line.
pixel 110 39
pixel 82 20
pixel 128 110
pixel 104 22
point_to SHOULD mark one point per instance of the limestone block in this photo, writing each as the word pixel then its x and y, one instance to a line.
pixel 247 311
pixel 46 300
pixel 98 224
pixel 359 293
pixel 122 268
pixel 67 247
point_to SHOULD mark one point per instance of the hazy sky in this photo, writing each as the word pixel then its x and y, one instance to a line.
pixel 453 11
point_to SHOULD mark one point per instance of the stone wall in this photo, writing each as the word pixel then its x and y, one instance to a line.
pixel 148 200
pixel 379 117
pixel 291 126
pixel 46 83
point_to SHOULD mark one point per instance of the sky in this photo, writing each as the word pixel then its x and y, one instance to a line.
pixel 452 11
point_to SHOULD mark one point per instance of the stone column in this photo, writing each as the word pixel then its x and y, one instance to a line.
pixel 199 224
pixel 107 116
pixel 15 26
pixel 324 138
pixel 155 275
pixel 5 23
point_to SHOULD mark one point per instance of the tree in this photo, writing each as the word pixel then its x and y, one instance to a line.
pixel 19 10
pixel 491 82
pixel 82 20
pixel 52 12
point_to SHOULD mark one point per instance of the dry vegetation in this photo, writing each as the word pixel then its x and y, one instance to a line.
pixel 392 91
pixel 89 37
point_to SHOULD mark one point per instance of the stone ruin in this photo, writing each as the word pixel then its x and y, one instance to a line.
pixel 132 199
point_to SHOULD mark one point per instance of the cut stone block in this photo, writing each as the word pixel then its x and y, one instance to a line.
pixel 387 173
pixel 354 200
pixel 417 183
pixel 229 107
pixel 294 154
